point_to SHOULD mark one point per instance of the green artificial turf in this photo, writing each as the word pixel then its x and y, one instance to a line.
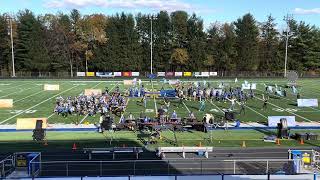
pixel 31 101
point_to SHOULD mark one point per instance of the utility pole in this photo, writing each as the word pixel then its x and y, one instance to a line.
pixel 12 51
pixel 288 18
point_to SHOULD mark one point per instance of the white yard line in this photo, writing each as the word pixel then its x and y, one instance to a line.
pixel 51 115
pixel 154 98
pixel 21 90
pixel 124 111
pixel 83 118
pixel 216 107
pixel 286 110
pixel 28 96
pixel 13 87
pixel 254 111
pixel 87 114
pixel 186 106
pixel 37 105
pixel 182 101
pixel 32 94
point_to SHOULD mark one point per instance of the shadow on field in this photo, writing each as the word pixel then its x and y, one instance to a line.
pixel 59 159
pixel 265 131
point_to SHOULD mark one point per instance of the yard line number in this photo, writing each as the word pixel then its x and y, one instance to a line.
pixel 284 110
pixel 20 111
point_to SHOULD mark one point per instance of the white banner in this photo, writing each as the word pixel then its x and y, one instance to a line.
pixel 117 74
pixel 135 74
pixel 307 102
pixel 104 74
pixel 205 74
pixel 213 73
pixel 161 74
pixel 274 120
pixel 249 86
pixel 81 74
pixel 178 74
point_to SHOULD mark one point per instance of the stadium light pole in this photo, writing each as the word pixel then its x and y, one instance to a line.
pixel 287 19
pixel 9 18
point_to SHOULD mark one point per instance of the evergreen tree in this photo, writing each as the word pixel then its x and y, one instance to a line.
pixel 268 48
pixel 4 46
pixel 247 43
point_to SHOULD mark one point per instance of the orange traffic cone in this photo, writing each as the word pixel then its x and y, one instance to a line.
pixel 244 144
pixel 74 147
pixel 278 141
pixel 301 141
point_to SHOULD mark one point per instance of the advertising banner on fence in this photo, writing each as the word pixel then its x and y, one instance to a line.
pixel 307 102
pixel 161 74
pixel 90 74
pixel 169 74
pixel 117 74
pixel 205 74
pixel 104 74
pixel 187 74
pixel 213 73
pixel 274 120
pixel 126 74
pixel 81 74
pixel 135 74
pixel 178 74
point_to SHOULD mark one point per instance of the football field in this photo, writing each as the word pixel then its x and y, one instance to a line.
pixel 31 101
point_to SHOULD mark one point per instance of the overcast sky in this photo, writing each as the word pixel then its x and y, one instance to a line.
pixel 209 10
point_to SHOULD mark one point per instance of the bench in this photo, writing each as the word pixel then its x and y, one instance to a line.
pixel 113 151
pixel 162 150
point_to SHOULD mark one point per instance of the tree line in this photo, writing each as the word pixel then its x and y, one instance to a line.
pixel 121 42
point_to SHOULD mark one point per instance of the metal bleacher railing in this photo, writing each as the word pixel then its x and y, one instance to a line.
pixel 7 166
pixel 163 167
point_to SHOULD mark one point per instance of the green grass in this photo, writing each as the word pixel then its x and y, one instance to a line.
pixel 22 141
pixel 28 95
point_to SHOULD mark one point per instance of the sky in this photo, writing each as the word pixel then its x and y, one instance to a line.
pixel 210 11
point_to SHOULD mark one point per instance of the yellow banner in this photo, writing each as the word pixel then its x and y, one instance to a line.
pixel 51 87
pixel 6 103
pixel 187 74
pixel 30 123
pixel 90 74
